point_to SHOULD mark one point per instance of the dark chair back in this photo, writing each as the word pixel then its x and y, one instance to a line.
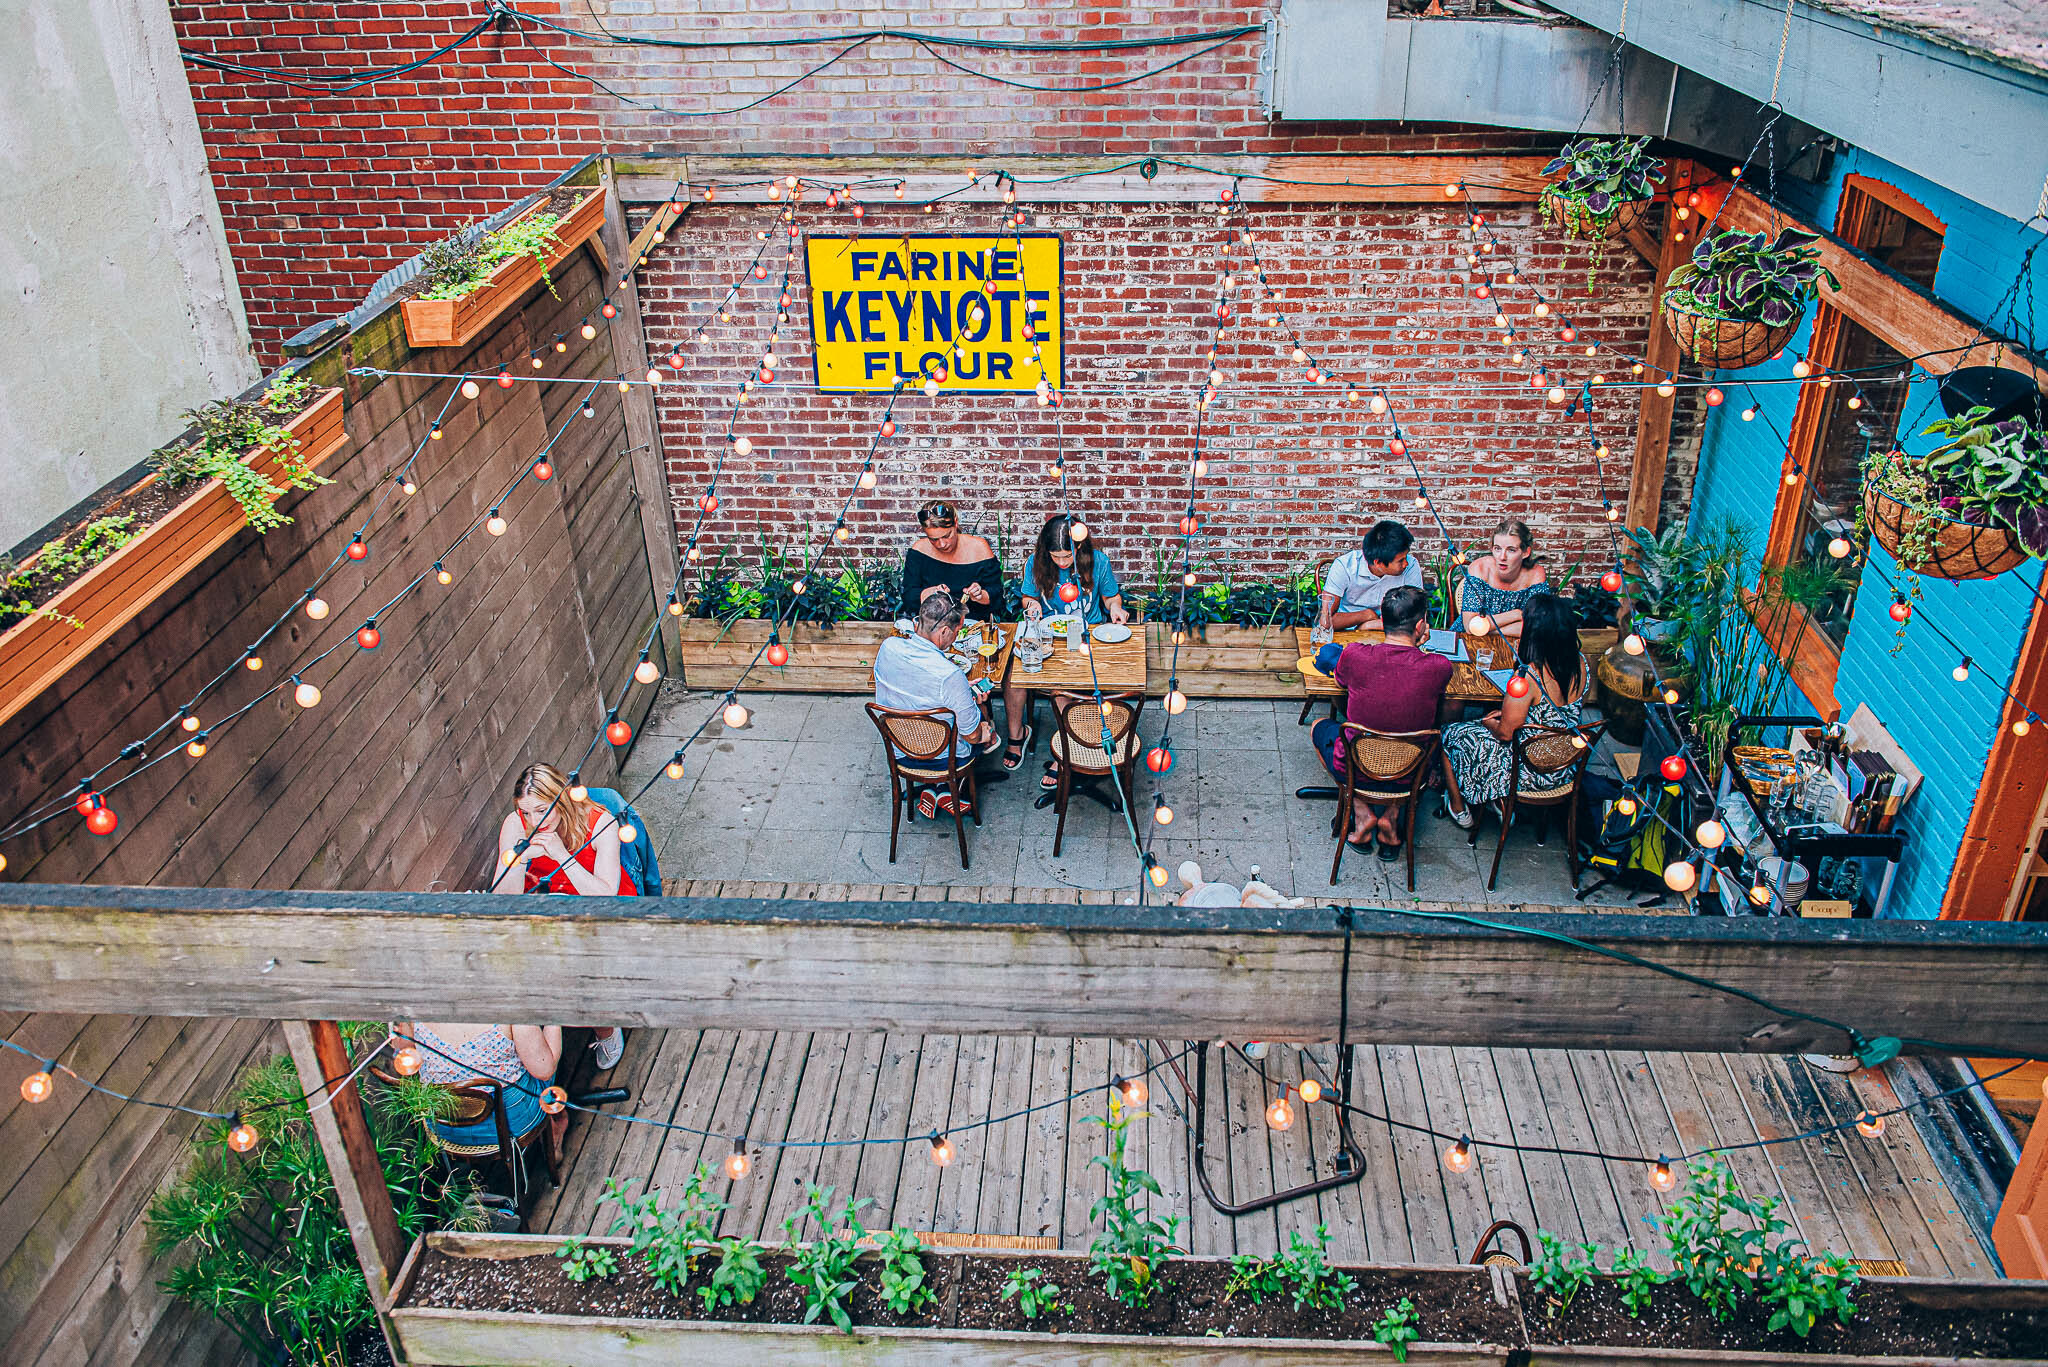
pixel 1078 743
pixel 1547 751
pixel 1391 765
pixel 922 739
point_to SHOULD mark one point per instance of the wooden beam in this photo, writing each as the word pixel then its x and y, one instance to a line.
pixel 352 1160
pixel 1371 178
pixel 1653 419
pixel 1904 316
pixel 1158 972
pixel 643 426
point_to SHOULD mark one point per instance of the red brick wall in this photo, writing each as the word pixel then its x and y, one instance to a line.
pixel 323 193
pixel 1374 290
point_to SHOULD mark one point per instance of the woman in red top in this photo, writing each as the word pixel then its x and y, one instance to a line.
pixel 550 821
pixel 559 841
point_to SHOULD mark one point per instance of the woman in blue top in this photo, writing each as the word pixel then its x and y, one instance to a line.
pixel 1060 557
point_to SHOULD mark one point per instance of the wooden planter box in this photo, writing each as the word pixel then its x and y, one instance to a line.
pixel 1224 661
pixel 35 652
pixel 432 1338
pixel 836 660
pixel 453 322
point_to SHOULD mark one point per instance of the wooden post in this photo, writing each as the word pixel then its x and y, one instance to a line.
pixel 1653 422
pixel 2020 1233
pixel 351 1160
pixel 643 427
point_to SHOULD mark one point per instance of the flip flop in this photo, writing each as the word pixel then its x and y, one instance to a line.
pixel 1388 852
pixel 1020 746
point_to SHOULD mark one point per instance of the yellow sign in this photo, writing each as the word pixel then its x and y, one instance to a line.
pixel 986 310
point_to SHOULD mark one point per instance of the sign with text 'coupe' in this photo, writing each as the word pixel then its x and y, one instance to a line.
pixel 884 308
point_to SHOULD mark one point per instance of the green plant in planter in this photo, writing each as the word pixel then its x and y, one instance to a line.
pixel 1561 1270
pixel 1133 1247
pixel 668 1241
pixel 1713 1258
pixel 904 1288
pixel 1398 1328
pixel 1750 277
pixel 459 265
pixel 824 1267
pixel 1305 1273
pixel 56 562
pixel 1599 178
pixel 1800 1289
pixel 1034 1295
pixel 738 1276
pixel 581 1263
pixel 1994 473
pixel 1636 1280
pixel 230 431
pixel 265 1244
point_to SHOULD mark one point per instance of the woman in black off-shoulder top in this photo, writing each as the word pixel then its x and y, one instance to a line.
pixel 965 566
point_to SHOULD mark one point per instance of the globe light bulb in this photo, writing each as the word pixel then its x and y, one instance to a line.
pixel 1162 814
pixel 867 480
pixel 1458 1157
pixel 306 695
pixel 1800 370
pixel 1633 644
pixel 1666 390
pixel 1176 702
pixel 1280 1115
pixel 1311 1090
pixel 554 1100
pixel 242 1137
pixel 1661 1176
pixel 196 749
pixel 317 609
pixel 646 671
pixel 627 835
pixel 1157 874
pixel 190 723
pixel 1680 875
pixel 38 1086
pixel 495 525
pixel 1839 547
pixel 1480 625
pixel 1961 673
pixel 2022 725
pixel 1625 805
pixel 578 793
pixel 735 715
pixel 1132 1090
pixel 1759 894
pixel 741 446
pixel 589 331
pixel 942 1151
pixel 1870 1126
pixel 405 1059
pixel 674 769
pixel 738 1165
pixel 443 576
pixel 470 389
pixel 1710 834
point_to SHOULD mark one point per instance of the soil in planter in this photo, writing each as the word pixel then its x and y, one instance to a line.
pixel 1886 1322
pixel 1192 1301
pixel 148 503
pixel 561 202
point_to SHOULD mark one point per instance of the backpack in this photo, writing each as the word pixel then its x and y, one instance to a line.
pixel 1629 848
pixel 636 856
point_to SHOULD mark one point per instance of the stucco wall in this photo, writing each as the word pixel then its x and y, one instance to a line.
pixel 123 305
pixel 1946 727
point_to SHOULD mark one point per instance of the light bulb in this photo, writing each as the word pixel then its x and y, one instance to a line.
pixel 674 769
pixel 38 1086
pixel 627 835
pixel 1481 624
pixel 554 1100
pixel 405 1059
pixel 1280 1115
pixel 1839 547
pixel 1458 1157
pixel 1961 673
pixel 2022 725
pixel 1666 389
pixel 1759 894
pixel 1133 1090
pixel 1661 1176
pixel 495 525
pixel 190 723
pixel 1680 875
pixel 737 1164
pixel 942 1151
pixel 1555 394
pixel 306 695
pixel 470 389
pixel 1162 814
pixel 741 446
pixel 1710 834
pixel 735 715
pixel 1800 370
pixel 866 480
pixel 1079 531
pixel 242 1137
pixel 196 749
pixel 443 576
pixel 589 331
pixel 646 671
pixel 1311 1090
pixel 316 608
pixel 578 793
pixel 1633 644
pixel 654 375
pixel 406 486
pixel 1176 702
pixel 1870 1126
pixel 1625 805
pixel 1157 873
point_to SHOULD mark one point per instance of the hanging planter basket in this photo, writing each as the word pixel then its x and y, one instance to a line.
pixel 1571 214
pixel 1958 549
pixel 1723 343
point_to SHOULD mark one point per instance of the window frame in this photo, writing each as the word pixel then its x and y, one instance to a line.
pixel 1810 656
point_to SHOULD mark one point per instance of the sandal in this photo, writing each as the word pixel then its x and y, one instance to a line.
pixel 1051 781
pixel 1013 754
pixel 1389 852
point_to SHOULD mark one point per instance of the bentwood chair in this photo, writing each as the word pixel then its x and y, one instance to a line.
pixel 473 1100
pixel 1308 705
pixel 1539 756
pixel 1388 769
pixel 1077 747
pixel 920 747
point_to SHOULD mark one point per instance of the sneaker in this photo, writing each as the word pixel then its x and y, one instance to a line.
pixel 1463 819
pixel 609 1049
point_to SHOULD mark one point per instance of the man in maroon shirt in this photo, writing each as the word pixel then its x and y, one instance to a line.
pixel 1393 685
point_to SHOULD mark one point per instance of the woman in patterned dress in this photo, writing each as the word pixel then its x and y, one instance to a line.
pixel 522 1057
pixel 1476 755
pixel 1499 584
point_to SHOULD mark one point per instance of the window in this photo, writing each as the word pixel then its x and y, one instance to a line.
pixel 1837 423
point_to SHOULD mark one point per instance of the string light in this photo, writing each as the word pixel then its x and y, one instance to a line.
pixel 1661 1176
pixel 1680 875
pixel 619 732
pixel 305 695
pixel 554 1100
pixel 674 768
pixel 241 1134
pixel 2022 725
pixel 189 722
pixel 1458 1157
pixel 735 714
pixel 470 389
pixel 1132 1090
pixel 646 671
pixel 1162 814
pixel 1311 1090
pixel 942 1150
pixel 1280 1115
pixel 1710 834
pixel 39 1085
pixel 495 524
pixel 737 1164
pixel 441 574
pixel 316 608
pixel 196 748
pixel 1870 1126
pixel 405 1058
pixel 1961 673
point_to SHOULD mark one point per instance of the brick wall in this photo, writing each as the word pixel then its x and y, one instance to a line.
pixel 1291 475
pixel 323 193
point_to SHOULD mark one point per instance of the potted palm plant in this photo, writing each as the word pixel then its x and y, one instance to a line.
pixel 1742 295
pixel 1604 186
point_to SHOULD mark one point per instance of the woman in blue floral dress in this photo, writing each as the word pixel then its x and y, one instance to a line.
pixel 1477 759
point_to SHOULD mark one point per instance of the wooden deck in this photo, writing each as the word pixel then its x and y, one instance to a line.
pixel 1029 1175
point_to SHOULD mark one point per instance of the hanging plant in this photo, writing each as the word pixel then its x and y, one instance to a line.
pixel 1604 186
pixel 1972 508
pixel 1741 296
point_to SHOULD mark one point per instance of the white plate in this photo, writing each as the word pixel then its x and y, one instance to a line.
pixel 1109 633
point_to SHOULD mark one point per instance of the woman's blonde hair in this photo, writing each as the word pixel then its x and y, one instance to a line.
pixel 551 785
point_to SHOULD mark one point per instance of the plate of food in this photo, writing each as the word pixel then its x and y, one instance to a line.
pixel 1109 633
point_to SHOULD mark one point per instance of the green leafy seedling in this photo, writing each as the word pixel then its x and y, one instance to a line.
pixel 737 1277
pixel 1636 1279
pixel 904 1288
pixel 1561 1270
pixel 580 1262
pixel 1034 1295
pixel 1397 1329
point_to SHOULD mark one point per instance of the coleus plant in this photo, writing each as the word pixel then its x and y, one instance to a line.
pixel 1751 277
pixel 1992 472
pixel 1602 174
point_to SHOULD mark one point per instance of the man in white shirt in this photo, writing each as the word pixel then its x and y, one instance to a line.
pixel 914 674
pixel 1360 579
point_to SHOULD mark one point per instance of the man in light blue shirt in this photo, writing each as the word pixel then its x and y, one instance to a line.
pixel 914 674
pixel 1360 579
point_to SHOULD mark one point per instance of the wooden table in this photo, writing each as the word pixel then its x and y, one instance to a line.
pixel 1467 683
pixel 1119 667
pixel 990 667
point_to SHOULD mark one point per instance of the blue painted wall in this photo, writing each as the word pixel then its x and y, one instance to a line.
pixel 1944 726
